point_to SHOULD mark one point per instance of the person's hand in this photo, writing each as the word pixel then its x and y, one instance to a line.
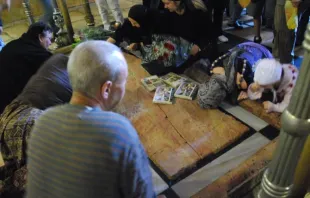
pixel 296 3
pixel 242 96
pixel 218 70
pixel 267 106
pixel 117 25
pixel 132 47
pixel 111 40
pixel 1 29
pixel 195 50
pixel 255 87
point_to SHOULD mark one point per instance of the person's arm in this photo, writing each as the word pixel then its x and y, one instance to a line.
pixel 254 91
pixel 279 107
pixel 136 179
pixel 111 40
pixel 125 31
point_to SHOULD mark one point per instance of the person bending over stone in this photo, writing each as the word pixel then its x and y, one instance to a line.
pixel 82 149
pixel 280 79
pixel 191 21
pixel 231 74
pixel 50 86
pixel 21 58
pixel 138 28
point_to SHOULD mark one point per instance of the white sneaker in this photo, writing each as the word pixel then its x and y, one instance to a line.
pixel 223 39
pixel 107 27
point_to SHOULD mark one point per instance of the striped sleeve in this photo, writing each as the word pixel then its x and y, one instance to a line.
pixel 136 179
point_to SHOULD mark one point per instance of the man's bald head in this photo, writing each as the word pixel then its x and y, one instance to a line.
pixel 93 63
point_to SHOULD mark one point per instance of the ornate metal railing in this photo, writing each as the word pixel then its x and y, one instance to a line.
pixel 61 17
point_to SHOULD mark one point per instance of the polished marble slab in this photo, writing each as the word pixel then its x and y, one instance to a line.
pixel 212 171
pixel 159 184
pixel 245 116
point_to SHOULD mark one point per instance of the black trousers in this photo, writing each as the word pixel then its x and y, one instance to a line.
pixel 303 16
pixel 216 9
pixel 153 4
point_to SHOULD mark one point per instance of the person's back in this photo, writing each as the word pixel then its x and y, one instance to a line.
pixel 20 59
pixel 90 150
pixel 82 149
pixel 50 86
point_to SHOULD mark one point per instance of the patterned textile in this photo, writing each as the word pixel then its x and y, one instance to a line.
pixel 15 125
pixel 166 50
pixel 213 92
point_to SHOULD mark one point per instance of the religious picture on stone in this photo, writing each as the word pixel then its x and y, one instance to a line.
pixel 173 79
pixel 163 95
pixel 187 90
pixel 152 82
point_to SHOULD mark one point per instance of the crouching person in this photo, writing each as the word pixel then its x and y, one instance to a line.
pixel 82 149
pixel 278 78
pixel 50 86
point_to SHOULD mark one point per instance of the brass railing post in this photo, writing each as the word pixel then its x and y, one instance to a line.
pixel 89 18
pixel 28 12
pixel 62 35
pixel 278 178
pixel 64 10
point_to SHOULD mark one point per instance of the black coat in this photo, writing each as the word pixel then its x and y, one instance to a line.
pixel 19 60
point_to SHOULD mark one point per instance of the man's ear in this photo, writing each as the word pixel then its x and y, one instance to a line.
pixel 40 38
pixel 106 89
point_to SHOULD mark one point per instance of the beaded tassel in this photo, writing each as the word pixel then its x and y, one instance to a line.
pixel 224 56
pixel 217 60
pixel 243 70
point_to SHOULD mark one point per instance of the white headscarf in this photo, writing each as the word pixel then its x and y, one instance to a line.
pixel 267 72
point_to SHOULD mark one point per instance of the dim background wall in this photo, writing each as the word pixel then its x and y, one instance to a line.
pixel 17 11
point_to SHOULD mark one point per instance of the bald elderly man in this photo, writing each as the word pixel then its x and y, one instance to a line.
pixel 82 149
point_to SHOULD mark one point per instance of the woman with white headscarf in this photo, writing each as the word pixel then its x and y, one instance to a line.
pixel 279 78
pixel 231 74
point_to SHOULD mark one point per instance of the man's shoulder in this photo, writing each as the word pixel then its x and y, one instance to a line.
pixel 112 117
pixel 53 111
pixel 117 123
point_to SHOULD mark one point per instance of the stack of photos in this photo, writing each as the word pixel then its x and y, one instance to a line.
pixel 187 90
pixel 173 79
pixel 163 95
pixel 152 82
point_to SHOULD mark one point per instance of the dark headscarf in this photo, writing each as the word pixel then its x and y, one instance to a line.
pixel 214 91
pixel 139 13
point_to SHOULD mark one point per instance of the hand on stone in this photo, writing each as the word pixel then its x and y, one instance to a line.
pixel 242 96
pixel 218 70
pixel 195 50
pixel 255 87
pixel 267 106
pixel 132 47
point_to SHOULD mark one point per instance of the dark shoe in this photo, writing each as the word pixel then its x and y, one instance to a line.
pixel 298 44
pixel 235 25
pixel 257 39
